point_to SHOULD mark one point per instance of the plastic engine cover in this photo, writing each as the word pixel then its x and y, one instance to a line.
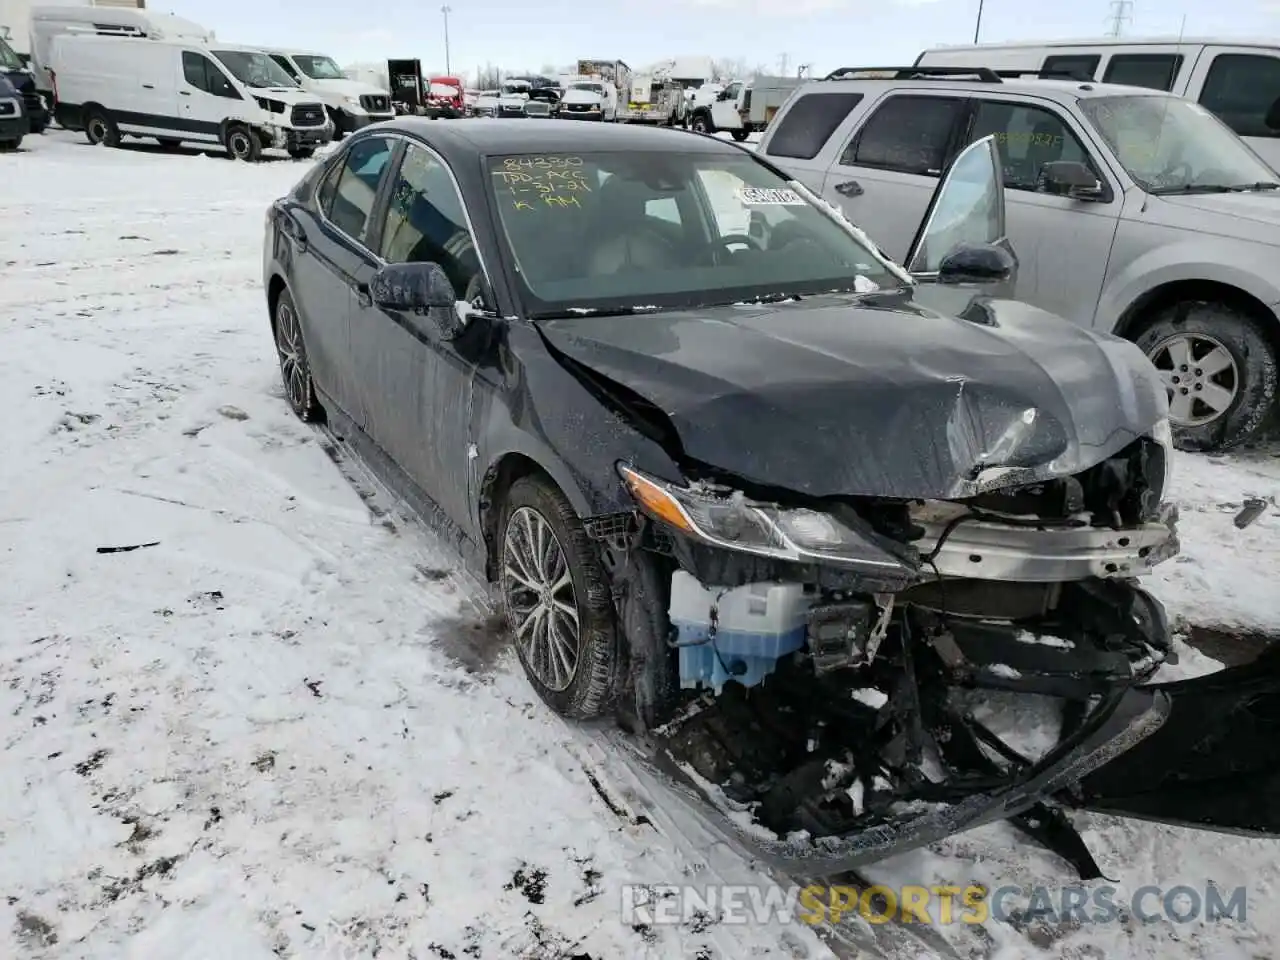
pixel 755 624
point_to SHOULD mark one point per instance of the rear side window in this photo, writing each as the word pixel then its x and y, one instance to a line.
pixel 1156 71
pixel 810 122
pixel 347 197
pixel 1240 88
pixel 1072 64
pixel 906 134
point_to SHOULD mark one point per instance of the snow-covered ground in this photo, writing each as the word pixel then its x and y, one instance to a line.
pixel 282 727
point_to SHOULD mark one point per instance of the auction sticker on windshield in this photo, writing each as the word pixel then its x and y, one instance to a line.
pixel 775 196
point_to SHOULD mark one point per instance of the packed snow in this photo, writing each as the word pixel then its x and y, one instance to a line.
pixel 256 712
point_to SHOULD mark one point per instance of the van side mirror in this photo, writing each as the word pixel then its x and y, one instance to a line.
pixel 1272 119
pixel 419 288
pixel 1071 178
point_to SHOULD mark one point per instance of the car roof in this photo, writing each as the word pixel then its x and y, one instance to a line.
pixel 1062 91
pixel 456 138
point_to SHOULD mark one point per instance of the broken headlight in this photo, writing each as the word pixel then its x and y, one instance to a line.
pixel 736 523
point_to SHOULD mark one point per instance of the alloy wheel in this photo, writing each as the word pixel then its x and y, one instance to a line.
pixel 542 605
pixel 292 363
pixel 1200 375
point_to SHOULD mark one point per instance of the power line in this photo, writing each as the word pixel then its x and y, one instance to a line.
pixel 1121 13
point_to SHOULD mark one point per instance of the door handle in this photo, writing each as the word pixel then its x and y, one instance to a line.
pixel 849 188
pixel 148 86
pixel 184 93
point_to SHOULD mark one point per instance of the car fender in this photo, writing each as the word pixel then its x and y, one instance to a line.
pixel 1245 266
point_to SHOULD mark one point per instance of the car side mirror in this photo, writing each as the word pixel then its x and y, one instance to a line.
pixel 1071 178
pixel 976 263
pixel 419 288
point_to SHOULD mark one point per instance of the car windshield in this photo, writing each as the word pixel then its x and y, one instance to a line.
pixel 1170 145
pixel 254 69
pixel 589 87
pixel 8 59
pixel 319 68
pixel 624 231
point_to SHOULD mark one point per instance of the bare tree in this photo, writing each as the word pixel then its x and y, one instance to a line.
pixel 489 77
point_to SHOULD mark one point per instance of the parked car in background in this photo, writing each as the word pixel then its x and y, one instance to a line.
pixel 1236 78
pixel 13 117
pixel 549 339
pixel 351 104
pixel 488 103
pixel 1135 212
pixel 19 76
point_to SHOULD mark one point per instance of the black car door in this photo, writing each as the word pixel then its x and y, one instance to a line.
pixel 416 387
pixel 335 253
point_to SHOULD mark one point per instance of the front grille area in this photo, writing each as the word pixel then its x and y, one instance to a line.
pixel 536 109
pixel 31 101
pixel 512 111
pixel 307 115
pixel 374 103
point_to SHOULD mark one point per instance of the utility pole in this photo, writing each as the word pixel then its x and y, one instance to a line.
pixel 782 65
pixel 977 24
pixel 1121 13
pixel 448 67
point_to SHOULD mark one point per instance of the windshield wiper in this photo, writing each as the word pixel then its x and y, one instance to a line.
pixel 574 312
pixel 1217 188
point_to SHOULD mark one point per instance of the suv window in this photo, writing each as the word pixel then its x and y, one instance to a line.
pixel 1240 88
pixel 813 118
pixel 1156 71
pixel 907 134
pixel 349 201
pixel 425 220
pixel 201 72
pixel 1028 138
pixel 1078 64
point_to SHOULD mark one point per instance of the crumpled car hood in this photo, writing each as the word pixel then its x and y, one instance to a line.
pixel 831 396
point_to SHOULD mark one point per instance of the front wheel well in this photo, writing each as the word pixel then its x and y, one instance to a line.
pixel 498 479
pixel 1147 307
pixel 274 289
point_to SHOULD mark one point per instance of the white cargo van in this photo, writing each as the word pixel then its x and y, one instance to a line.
pixel 112 87
pixel 589 98
pixel 1236 79
pixel 351 104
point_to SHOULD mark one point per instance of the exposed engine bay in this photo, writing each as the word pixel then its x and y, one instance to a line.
pixel 805 672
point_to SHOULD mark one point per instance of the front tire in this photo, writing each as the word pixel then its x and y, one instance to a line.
pixel 302 153
pixel 740 135
pixel 557 600
pixel 7 145
pixel 701 123
pixel 1219 369
pixel 242 143
pixel 295 369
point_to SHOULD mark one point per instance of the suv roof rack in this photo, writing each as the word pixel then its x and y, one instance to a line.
pixel 984 74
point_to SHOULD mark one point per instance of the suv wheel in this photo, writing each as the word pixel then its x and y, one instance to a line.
pixel 1219 370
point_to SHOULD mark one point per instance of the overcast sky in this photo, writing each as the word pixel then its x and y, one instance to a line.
pixel 525 34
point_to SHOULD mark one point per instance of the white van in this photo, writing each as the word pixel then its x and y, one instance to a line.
pixel 112 87
pixel 590 98
pixel 351 104
pixel 1238 80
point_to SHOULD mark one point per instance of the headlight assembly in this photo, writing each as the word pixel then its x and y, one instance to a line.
pixel 765 529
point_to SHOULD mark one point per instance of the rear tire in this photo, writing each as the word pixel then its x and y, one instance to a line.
pixel 295 369
pixel 242 143
pixel 740 135
pixel 1226 399
pixel 99 128
pixel 701 123
pixel 556 596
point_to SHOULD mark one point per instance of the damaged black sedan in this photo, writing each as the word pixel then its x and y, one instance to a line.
pixel 774 502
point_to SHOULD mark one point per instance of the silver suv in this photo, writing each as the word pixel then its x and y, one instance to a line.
pixel 1132 210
